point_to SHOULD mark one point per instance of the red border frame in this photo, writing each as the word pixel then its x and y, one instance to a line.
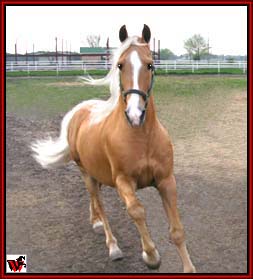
pixel 249 3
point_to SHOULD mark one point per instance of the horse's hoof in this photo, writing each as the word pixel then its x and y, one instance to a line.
pixel 190 269
pixel 115 253
pixel 98 227
pixel 154 261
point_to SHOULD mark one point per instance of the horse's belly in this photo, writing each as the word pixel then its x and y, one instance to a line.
pixel 101 172
pixel 96 164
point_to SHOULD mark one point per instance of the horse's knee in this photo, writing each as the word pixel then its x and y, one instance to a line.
pixel 136 211
pixel 177 236
pixel 168 188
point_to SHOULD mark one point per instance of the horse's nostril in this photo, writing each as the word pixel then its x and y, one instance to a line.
pixel 135 118
pixel 143 114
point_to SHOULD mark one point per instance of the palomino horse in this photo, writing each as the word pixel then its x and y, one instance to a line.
pixel 121 143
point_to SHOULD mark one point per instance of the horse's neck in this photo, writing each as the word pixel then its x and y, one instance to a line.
pixel 151 117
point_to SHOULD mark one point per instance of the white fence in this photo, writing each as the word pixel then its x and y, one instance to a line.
pixel 198 65
pixel 165 65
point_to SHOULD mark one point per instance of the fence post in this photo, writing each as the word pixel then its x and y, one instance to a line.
pixel 84 68
pixel 192 67
pixel 57 69
pixel 175 64
pixel 244 67
pixel 218 65
pixel 28 69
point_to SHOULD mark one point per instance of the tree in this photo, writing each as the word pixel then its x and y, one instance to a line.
pixel 196 47
pixel 166 54
pixel 93 40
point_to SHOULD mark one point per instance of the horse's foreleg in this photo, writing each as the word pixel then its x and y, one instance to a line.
pixel 168 193
pixel 136 211
pixel 98 216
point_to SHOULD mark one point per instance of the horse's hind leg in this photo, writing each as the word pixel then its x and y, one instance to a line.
pixel 95 218
pixel 98 214
pixel 168 193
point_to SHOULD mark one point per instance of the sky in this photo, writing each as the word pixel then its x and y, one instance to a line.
pixel 224 27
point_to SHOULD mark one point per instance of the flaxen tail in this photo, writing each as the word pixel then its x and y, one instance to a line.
pixel 54 152
pixel 51 152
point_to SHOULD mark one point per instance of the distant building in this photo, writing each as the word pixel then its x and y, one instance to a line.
pixel 86 54
pixel 94 53
pixel 44 57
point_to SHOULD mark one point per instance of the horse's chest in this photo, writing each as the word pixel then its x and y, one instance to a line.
pixel 144 175
pixel 140 168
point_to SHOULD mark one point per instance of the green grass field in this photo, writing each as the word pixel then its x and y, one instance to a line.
pixel 180 100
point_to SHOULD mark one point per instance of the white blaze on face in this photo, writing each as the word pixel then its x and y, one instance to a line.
pixel 133 110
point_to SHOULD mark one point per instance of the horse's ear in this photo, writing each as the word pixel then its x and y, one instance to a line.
pixel 123 33
pixel 146 34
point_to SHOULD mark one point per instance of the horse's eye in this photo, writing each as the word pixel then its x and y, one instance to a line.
pixel 120 66
pixel 150 67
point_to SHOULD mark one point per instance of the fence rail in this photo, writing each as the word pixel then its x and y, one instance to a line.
pixel 165 65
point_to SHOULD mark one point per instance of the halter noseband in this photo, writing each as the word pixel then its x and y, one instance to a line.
pixel 144 95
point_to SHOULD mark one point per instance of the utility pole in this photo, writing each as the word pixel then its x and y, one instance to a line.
pixel 16 54
pixel 107 52
pixel 154 48
pixel 158 50
pixel 70 51
pixel 33 55
pixel 62 50
pixel 66 46
pixel 56 54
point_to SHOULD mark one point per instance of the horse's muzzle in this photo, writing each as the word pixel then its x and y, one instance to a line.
pixel 136 120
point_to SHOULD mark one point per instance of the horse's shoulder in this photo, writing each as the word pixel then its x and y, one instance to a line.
pixel 161 135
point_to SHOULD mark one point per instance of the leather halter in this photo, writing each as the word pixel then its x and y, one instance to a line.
pixel 144 95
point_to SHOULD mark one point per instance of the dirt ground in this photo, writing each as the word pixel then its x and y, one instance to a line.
pixel 48 216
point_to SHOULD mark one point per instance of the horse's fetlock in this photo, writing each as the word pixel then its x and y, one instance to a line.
pixel 111 241
pixel 151 250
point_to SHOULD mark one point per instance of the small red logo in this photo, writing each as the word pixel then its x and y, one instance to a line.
pixel 16 263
